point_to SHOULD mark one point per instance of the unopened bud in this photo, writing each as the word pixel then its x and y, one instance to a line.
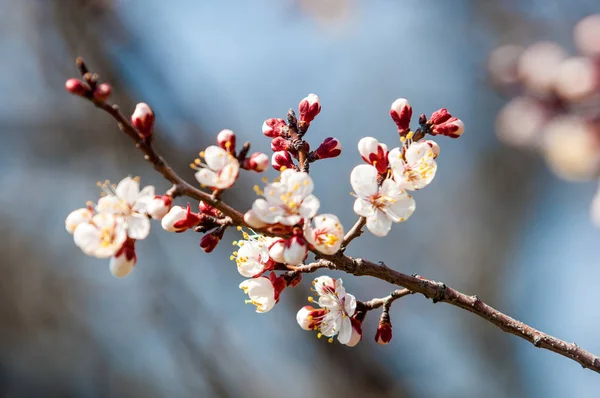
pixel 179 219
pixel 76 87
pixel 207 209
pixel 295 250
pixel 401 113
pixel 276 251
pixel 440 116
pixel 537 66
pixel 258 162
pixel 452 128
pixel 226 140
pixel 159 206
pixel 384 329
pixel 143 119
pixel 210 241
pixel 280 144
pixel 282 159
pixel 374 153
pixel 586 34
pixel 309 108
pixel 102 92
pixel 274 127
pixel 330 148
pixel 309 318
pixel 123 262
pixel 577 78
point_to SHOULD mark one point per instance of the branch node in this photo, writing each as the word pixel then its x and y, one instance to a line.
pixel 537 340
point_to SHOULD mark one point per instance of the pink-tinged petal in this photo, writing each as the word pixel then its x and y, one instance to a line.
pixel 128 190
pixel 350 304
pixel 295 250
pixel 364 180
pixel 363 208
pixel 206 177
pixel 310 206
pixel 379 224
pixel 329 301
pixel 229 175
pixel 138 226
pixel 345 332
pixel 324 285
pixel 87 238
pixel 216 158
pixel 368 146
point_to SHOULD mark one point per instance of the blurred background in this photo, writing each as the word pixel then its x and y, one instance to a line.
pixel 496 222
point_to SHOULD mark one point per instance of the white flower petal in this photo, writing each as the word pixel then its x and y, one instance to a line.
pixel 138 226
pixel 261 293
pixel 144 197
pixel 310 207
pixel 379 224
pixel 349 304
pixel 128 190
pixel 77 217
pixel 228 176
pixel 345 332
pixel 206 177
pixel 216 157
pixel 87 238
pixel 364 208
pixel 324 285
pixel 363 179
pixel 120 266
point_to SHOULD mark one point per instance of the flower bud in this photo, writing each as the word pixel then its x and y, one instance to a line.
pixel 295 250
pixel 309 108
pixel 280 144
pixel 226 140
pixel 102 92
pixel 210 241
pixel 274 127
pixel 159 206
pixel 258 162
pixel 276 251
pixel 309 318
pixel 143 119
pixel 76 87
pixel 577 78
pixel 207 209
pixel 282 159
pixel 452 128
pixel 179 219
pixel 374 153
pixel 384 329
pixel 253 220
pixel 440 116
pixel 330 148
pixel 122 263
pixel 401 113
pixel 537 66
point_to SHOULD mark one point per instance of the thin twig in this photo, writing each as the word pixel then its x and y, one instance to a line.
pixel 436 291
pixel 387 300
pixel 355 232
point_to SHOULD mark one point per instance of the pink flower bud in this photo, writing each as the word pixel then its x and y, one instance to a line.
pixel 434 147
pixel 356 332
pixel 440 116
pixel 537 66
pixel 102 92
pixel 226 140
pixel 159 206
pixel 253 220
pixel 280 144
pixel 276 250
pixel 210 241
pixel 310 318
pixel 76 87
pixel 258 162
pixel 374 153
pixel 295 250
pixel 309 108
pixel 452 128
pixel 577 78
pixel 274 127
pixel 122 263
pixel 179 219
pixel 401 113
pixel 586 34
pixel 330 148
pixel 282 159
pixel 384 330
pixel 143 119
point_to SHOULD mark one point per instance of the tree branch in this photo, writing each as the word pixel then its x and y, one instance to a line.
pixel 436 291
pixel 385 301
pixel 355 232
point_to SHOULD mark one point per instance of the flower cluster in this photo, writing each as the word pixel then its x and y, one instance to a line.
pixel 380 185
pixel 556 109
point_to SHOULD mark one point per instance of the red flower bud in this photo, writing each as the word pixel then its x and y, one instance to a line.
pixel 440 116
pixel 258 162
pixel 330 148
pixel 309 108
pixel 102 92
pixel 401 113
pixel 384 329
pixel 209 210
pixel 280 144
pixel 452 128
pixel 226 140
pixel 143 119
pixel 274 127
pixel 282 159
pixel 210 241
pixel 76 87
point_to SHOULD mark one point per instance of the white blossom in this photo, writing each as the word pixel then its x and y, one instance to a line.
pixel 102 237
pixel 288 200
pixel 413 165
pixel 380 205
pixel 252 257
pixel 261 293
pixel 326 235
pixel 77 217
pixel 221 169
pixel 339 306
pixel 128 201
